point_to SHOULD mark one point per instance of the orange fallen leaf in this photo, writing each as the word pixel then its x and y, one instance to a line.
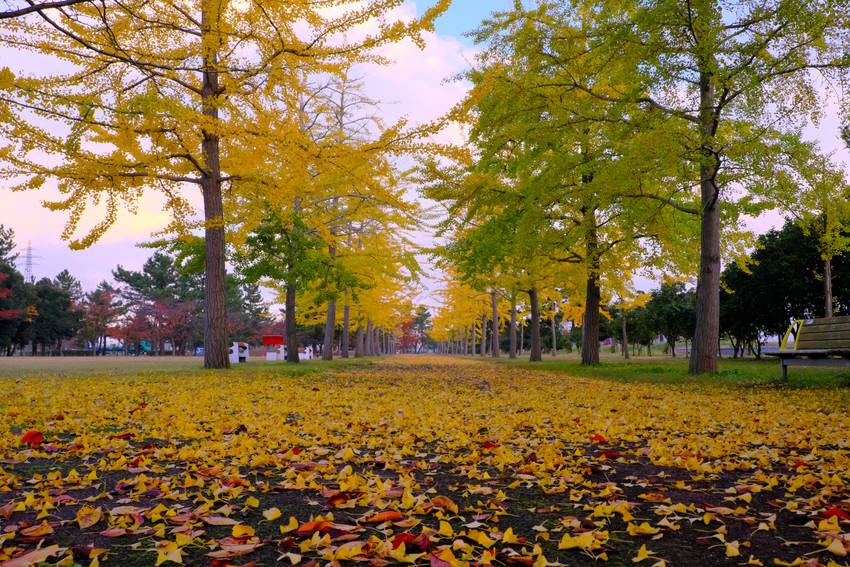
pixel 387 516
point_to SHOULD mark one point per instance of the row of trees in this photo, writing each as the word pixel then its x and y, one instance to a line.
pixel 781 280
pixel 615 140
pixel 160 308
pixel 249 102
pixel 158 305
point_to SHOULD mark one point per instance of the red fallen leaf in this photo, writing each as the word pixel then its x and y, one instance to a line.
pixel 437 562
pixel 611 454
pixel 525 560
pixel 335 497
pixel 7 509
pixel 139 407
pixel 402 538
pixel 488 445
pixel 114 532
pixel 33 437
pixel 800 464
pixel 296 451
pixel 58 417
pixel 598 438
pixel 838 512
pixel 29 540
pixel 387 516
pixel 125 435
pixel 310 528
pixel 443 502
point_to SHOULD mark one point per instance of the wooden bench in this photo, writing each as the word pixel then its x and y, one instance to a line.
pixel 815 342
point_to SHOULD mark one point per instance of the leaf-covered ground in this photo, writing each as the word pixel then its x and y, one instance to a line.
pixel 435 462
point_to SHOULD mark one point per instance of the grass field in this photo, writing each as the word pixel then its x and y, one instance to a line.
pixel 442 462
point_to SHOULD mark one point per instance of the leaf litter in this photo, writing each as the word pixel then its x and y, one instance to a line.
pixel 413 462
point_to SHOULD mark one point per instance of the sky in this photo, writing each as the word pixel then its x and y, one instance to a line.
pixel 417 86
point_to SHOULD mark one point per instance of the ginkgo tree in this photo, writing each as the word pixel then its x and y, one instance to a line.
pixel 552 171
pixel 167 96
pixel 720 80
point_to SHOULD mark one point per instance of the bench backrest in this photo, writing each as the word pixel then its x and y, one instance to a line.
pixel 832 333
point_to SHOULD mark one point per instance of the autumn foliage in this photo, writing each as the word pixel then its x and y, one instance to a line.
pixel 419 461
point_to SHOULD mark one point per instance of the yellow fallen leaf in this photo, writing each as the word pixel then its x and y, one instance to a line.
pixel 642 554
pixel 509 537
pixel 836 547
pixel 241 530
pixel 168 551
pixel 271 514
pixel 732 549
pixel 290 527
pixel 88 516
pixel 642 529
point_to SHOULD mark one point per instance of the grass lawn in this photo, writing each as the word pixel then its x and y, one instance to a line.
pixel 432 461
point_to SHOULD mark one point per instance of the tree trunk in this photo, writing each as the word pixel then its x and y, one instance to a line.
pixel 827 285
pixel 215 331
pixel 494 347
pixel 554 336
pixel 521 337
pixel 590 324
pixel 707 333
pixel 370 350
pixel 330 327
pixel 512 333
pixel 330 322
pixel 358 342
pixel 291 329
pixel 536 354
pixel 484 335
pixel 346 312
pixel 625 335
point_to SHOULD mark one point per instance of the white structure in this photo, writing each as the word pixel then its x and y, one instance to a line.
pixel 239 353
pixel 279 354
pixel 305 353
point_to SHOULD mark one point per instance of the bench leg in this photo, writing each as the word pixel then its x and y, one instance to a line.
pixel 784 369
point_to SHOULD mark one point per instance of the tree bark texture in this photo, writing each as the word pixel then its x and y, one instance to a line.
pixel 554 336
pixel 521 337
pixel 590 325
pixel 358 342
pixel 512 333
pixel 291 329
pixel 494 347
pixel 346 330
pixel 707 333
pixel 484 335
pixel 827 285
pixel 215 332
pixel 370 347
pixel 536 353
pixel 625 335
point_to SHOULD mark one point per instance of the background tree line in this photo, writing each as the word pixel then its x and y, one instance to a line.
pixel 782 279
